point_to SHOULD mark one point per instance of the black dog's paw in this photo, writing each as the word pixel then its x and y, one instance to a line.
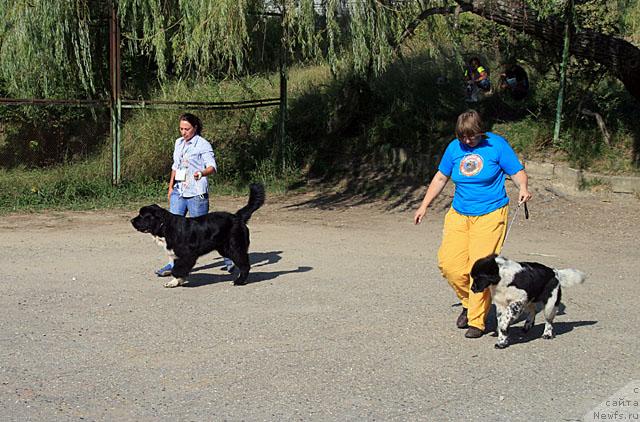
pixel 501 345
pixel 241 280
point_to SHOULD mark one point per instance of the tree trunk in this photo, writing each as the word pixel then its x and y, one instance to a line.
pixel 620 57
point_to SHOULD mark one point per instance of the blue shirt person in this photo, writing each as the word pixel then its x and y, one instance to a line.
pixel 479 173
pixel 478 162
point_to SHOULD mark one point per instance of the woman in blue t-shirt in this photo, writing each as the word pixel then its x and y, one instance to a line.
pixel 478 162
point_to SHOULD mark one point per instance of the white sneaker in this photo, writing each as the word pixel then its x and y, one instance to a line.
pixel 229 267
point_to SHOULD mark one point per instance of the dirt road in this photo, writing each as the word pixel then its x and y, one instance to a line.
pixel 346 318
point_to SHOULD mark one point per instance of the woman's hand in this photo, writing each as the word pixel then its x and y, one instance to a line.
pixel 524 195
pixel 419 215
pixel 435 187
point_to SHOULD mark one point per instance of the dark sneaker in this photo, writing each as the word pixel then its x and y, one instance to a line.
pixel 474 332
pixel 462 321
pixel 165 271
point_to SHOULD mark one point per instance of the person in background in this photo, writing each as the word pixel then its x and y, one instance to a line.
pixel 477 79
pixel 193 162
pixel 478 162
pixel 515 80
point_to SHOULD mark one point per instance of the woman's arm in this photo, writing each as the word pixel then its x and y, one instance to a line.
pixel 171 182
pixel 521 180
pixel 435 187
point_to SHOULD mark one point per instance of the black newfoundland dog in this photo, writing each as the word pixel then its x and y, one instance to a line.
pixel 186 239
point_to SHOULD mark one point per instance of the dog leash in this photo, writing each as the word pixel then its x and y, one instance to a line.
pixel 526 216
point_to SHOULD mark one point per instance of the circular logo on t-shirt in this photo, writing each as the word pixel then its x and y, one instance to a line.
pixel 471 164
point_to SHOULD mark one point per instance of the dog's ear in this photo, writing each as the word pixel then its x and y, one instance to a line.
pixel 485 272
pixel 154 209
pixel 159 218
pixel 149 209
pixel 486 265
pixel 157 210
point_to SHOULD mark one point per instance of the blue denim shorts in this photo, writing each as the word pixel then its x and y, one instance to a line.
pixel 196 205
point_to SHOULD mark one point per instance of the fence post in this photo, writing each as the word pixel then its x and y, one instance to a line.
pixel 283 83
pixel 563 70
pixel 115 103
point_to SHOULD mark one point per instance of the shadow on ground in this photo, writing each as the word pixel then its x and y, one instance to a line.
pixel 518 336
pixel 257 259
pixel 357 193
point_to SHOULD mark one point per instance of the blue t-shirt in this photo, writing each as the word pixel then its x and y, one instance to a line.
pixel 479 173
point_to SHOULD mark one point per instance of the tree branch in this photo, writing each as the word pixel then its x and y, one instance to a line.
pixel 619 56
pixel 410 29
pixel 601 125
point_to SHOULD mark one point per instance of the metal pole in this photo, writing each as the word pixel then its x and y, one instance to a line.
pixel 115 103
pixel 563 70
pixel 283 83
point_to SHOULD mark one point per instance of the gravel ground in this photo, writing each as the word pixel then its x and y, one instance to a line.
pixel 346 318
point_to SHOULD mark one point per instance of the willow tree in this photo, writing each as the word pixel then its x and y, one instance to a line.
pixel 46 47
pixel 203 37
pixel 196 37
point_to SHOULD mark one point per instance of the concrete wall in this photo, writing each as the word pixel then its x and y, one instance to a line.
pixel 572 181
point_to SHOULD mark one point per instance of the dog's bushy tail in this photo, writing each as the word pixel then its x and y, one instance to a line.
pixel 256 199
pixel 570 277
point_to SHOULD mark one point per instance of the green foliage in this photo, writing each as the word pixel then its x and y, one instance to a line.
pixel 200 38
pixel 381 135
pixel 602 17
pixel 359 114
pixel 594 183
pixel 79 186
pixel 40 136
pixel 188 38
pixel 244 141
pixel 630 19
pixel 529 136
pixel 188 34
pixel 57 36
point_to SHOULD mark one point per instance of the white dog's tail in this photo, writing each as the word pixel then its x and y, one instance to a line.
pixel 570 277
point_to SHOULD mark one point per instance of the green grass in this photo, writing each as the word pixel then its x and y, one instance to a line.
pixel 73 187
pixel 339 128
pixel 87 186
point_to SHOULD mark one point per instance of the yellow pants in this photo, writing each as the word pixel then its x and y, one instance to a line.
pixel 465 239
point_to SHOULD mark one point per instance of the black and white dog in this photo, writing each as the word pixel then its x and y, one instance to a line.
pixel 186 239
pixel 518 286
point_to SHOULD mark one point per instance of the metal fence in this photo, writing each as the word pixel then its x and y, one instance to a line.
pixel 116 103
